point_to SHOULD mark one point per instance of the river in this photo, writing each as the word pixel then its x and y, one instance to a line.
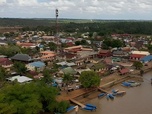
pixel 137 100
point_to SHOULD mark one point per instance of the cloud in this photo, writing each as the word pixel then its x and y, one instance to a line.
pixel 102 9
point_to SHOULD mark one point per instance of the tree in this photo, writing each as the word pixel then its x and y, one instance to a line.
pixel 47 79
pixel 67 79
pixel 77 43
pixel 20 67
pixel 137 64
pixel 89 79
pixel 19 99
pixel 52 46
pixel 3 74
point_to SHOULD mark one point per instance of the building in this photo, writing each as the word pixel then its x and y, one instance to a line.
pixel 36 66
pixel 75 49
pixel 47 55
pixel 22 58
pixel 140 52
pixel 136 57
pixel 6 63
pixel 146 59
pixel 20 79
pixel 104 53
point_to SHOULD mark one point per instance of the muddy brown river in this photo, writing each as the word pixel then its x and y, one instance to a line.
pixel 137 100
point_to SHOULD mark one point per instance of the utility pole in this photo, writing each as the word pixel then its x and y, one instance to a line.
pixel 56 14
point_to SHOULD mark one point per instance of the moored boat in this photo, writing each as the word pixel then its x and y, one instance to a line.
pixel 90 105
pixel 101 95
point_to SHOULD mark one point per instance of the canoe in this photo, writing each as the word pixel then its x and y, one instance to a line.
pixel 89 108
pixel 107 96
pixel 90 105
pixel 101 95
pixel 121 93
pixel 70 108
pixel 115 91
pixel 126 84
pixel 111 96
pixel 135 84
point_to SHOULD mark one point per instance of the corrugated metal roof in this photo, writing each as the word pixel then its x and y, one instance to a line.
pixel 146 58
pixel 38 64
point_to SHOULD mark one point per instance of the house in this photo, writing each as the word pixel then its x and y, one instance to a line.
pixel 6 63
pixel 22 58
pixel 140 52
pixel 119 53
pixel 36 66
pixel 116 59
pixel 104 53
pixel 75 49
pixel 20 79
pixel 65 63
pixel 136 57
pixel 123 71
pixel 68 70
pixel 26 45
pixel 47 55
pixel 99 67
pixel 66 56
pixel 146 59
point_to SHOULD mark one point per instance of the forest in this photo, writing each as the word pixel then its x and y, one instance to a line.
pixel 102 27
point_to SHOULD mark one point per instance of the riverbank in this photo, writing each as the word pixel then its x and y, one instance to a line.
pixel 135 101
pixel 84 95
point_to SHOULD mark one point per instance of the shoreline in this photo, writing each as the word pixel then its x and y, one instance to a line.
pixel 84 95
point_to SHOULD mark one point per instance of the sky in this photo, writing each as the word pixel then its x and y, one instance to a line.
pixel 78 9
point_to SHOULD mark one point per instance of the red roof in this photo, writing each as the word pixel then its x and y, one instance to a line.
pixel 3 59
pixel 7 62
pixel 123 71
pixel 137 55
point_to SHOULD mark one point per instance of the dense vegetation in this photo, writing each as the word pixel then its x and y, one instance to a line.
pixel 99 26
pixel 31 98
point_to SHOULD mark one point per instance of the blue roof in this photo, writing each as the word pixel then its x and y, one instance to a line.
pixel 146 58
pixel 37 64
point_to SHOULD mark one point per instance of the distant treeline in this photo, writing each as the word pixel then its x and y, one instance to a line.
pixel 102 27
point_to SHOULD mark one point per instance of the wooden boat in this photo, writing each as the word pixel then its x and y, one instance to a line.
pixel 70 108
pixel 101 95
pixel 115 91
pixel 90 105
pixel 89 108
pixel 121 93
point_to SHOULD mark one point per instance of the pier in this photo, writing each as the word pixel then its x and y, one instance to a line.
pixel 78 103
pixel 102 90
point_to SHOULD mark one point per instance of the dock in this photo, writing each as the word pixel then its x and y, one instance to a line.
pixel 77 103
pixel 102 90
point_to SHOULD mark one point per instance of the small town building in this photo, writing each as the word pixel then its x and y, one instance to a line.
pixel 47 55
pixel 136 57
pixel 146 59
pixel 36 66
pixel 20 79
pixel 104 53
pixel 6 63
pixel 124 71
pixel 119 53
pixel 140 52
pixel 22 58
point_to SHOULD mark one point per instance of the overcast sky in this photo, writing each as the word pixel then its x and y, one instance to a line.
pixel 78 9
